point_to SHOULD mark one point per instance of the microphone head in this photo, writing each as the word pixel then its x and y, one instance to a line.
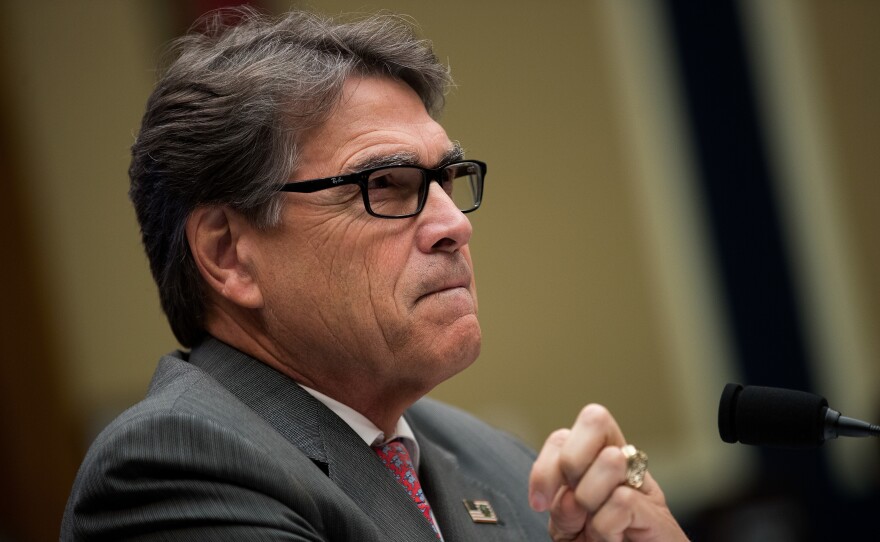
pixel 727 413
pixel 771 416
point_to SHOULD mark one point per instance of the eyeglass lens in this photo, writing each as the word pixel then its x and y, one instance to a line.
pixel 396 191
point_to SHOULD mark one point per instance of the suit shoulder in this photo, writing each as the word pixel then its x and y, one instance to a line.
pixel 182 402
pixel 188 438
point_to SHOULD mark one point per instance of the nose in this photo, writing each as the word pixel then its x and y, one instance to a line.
pixel 441 225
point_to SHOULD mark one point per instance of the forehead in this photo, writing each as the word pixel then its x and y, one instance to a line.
pixel 375 116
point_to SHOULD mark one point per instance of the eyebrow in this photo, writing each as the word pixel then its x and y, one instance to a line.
pixel 454 153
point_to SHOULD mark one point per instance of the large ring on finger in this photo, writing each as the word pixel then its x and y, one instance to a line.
pixel 636 466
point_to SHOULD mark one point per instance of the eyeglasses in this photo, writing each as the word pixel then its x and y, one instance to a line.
pixel 401 191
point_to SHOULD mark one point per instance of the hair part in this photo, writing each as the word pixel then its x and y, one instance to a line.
pixel 226 118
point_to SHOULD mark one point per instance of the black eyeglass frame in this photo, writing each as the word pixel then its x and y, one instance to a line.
pixel 360 178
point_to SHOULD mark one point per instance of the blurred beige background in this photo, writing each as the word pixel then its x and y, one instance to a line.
pixel 595 280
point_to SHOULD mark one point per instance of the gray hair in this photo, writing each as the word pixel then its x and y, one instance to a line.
pixel 225 121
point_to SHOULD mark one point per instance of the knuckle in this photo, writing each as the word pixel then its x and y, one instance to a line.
pixel 547 461
pixel 594 414
pixel 557 438
pixel 611 456
pixel 625 497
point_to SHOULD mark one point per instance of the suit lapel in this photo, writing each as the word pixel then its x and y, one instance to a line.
pixel 321 435
pixel 356 469
pixel 446 486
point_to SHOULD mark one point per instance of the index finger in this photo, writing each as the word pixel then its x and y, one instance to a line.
pixel 546 476
pixel 594 430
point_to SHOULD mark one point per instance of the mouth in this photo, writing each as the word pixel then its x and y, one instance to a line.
pixel 447 281
pixel 446 288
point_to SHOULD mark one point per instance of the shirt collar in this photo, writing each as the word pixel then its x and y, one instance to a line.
pixel 367 430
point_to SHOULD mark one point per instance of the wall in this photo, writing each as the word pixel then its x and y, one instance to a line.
pixel 596 276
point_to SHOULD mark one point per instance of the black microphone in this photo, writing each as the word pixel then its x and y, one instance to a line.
pixel 785 418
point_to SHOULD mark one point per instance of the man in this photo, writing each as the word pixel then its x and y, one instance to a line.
pixel 304 217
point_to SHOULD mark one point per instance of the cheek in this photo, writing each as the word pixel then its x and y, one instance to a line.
pixel 348 264
pixel 365 260
pixel 385 261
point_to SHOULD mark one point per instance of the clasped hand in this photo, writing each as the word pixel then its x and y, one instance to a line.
pixel 579 476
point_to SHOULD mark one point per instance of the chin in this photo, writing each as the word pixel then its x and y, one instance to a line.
pixel 443 351
pixel 462 348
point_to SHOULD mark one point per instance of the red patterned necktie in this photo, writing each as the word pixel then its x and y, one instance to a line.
pixel 396 457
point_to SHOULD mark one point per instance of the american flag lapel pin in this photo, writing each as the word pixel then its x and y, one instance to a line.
pixel 480 511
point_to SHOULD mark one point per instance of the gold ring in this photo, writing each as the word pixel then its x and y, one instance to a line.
pixel 636 466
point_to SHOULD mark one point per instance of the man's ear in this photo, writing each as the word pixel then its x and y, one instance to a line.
pixel 214 235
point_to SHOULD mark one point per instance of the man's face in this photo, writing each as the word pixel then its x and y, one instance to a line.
pixel 356 299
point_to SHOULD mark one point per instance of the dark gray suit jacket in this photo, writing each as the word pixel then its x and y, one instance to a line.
pixel 225 448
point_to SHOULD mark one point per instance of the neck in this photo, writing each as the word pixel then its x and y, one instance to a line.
pixel 364 426
pixel 391 407
pixel 382 403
